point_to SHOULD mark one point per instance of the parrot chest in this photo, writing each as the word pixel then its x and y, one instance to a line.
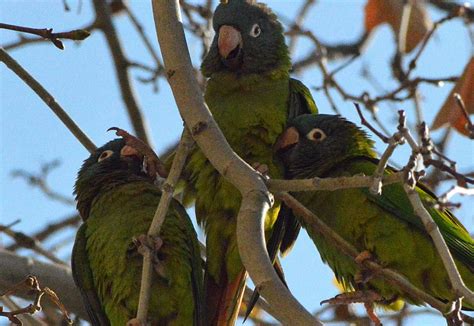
pixel 251 118
pixel 116 218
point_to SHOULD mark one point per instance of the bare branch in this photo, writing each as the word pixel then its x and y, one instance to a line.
pixel 104 22
pixel 462 107
pixel 48 99
pixel 255 197
pixel 319 227
pixel 33 285
pixel 40 180
pixel 331 184
pixel 47 231
pixel 184 147
pixel 47 33
pixel 14 269
pixel 33 244
pixel 440 243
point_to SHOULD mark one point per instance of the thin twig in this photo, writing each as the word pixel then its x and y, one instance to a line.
pixel 440 244
pixel 40 180
pixel 33 285
pixel 48 99
pixel 298 21
pixel 105 24
pixel 462 107
pixel 184 147
pixel 330 184
pixel 319 227
pixel 47 33
pixel 256 199
pixel 27 319
pixel 57 277
pixel 404 23
pixel 34 245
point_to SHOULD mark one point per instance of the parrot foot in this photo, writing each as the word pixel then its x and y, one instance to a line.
pixel 454 317
pixel 145 243
pixel 364 275
pixel 363 256
pixel 366 297
pixel 134 322
pixel 152 165
pixel 354 297
pixel 261 168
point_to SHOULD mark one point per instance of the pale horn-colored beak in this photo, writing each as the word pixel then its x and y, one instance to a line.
pixel 288 138
pixel 229 39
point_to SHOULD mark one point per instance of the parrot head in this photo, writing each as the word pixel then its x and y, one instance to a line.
pixel 113 164
pixel 249 40
pixel 313 143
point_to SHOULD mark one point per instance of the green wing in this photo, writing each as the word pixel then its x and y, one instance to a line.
pixel 286 227
pixel 82 274
pixel 394 200
pixel 197 265
pixel 300 102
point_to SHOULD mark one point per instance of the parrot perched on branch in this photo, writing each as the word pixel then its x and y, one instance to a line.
pixel 251 97
pixel 384 226
pixel 117 202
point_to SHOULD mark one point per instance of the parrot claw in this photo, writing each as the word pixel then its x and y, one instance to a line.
pixel 152 164
pixel 364 275
pixel 145 243
pixel 366 297
pixel 261 168
pixel 363 256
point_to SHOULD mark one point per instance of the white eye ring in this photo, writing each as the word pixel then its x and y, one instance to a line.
pixel 105 154
pixel 316 135
pixel 255 31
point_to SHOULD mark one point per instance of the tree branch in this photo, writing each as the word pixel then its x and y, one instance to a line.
pixel 184 147
pixel 255 197
pixel 14 269
pixel 319 227
pixel 47 33
pixel 48 99
pixel 105 24
pixel 331 184
pixel 448 261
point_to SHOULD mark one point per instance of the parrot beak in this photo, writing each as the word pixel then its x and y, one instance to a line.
pixel 229 42
pixel 288 138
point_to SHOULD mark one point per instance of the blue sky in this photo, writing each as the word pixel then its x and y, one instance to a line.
pixel 82 80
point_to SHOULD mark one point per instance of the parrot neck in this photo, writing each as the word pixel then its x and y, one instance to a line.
pixel 226 82
pixel 322 167
pixel 88 190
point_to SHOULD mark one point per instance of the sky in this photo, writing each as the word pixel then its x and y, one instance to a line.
pixel 82 80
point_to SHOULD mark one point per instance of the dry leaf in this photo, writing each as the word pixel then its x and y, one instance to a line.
pixel 391 11
pixel 450 113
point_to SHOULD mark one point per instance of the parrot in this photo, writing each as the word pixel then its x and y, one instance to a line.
pixel 117 201
pixel 383 226
pixel 251 96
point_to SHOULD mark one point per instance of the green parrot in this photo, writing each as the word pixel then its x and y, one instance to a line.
pixel 117 202
pixel 384 226
pixel 251 97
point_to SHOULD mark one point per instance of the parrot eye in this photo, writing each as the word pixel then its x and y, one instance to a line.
pixel 105 154
pixel 316 135
pixel 255 31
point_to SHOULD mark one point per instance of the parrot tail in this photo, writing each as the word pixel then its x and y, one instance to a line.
pixel 223 300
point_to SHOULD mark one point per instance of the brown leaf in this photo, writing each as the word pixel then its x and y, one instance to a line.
pixel 450 113
pixel 390 11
